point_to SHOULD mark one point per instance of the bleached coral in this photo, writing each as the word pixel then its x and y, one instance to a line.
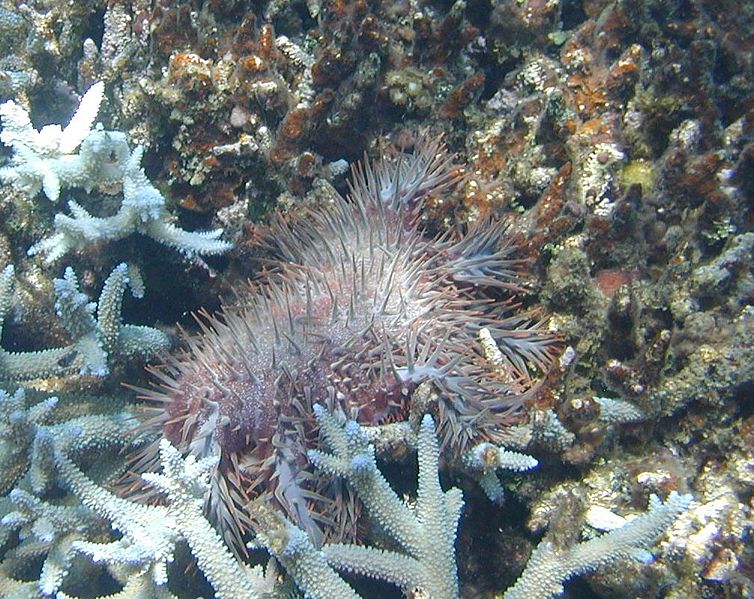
pixel 618 411
pixel 485 458
pixel 142 210
pixel 47 529
pixel 96 342
pixel 186 482
pixel 147 534
pixel 549 566
pixel 45 160
pixel 18 430
pixel 27 431
pixel 425 533
pixel 306 564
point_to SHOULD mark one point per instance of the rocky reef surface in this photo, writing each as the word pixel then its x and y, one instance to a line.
pixel 610 141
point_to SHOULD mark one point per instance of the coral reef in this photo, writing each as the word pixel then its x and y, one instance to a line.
pixel 148 534
pixel 549 567
pixel 610 143
pixel 138 558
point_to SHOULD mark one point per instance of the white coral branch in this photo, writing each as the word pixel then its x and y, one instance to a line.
pixel 426 533
pixel 185 482
pixel 45 160
pixel 81 123
pixel 549 567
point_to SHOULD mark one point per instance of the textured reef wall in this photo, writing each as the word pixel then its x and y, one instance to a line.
pixel 559 292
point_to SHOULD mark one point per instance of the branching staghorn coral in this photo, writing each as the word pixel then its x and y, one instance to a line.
pixel 485 459
pixel 30 436
pixel 18 431
pixel 58 532
pixel 550 567
pixel 618 411
pixel 148 534
pixel 96 342
pixel 45 160
pixel 426 532
pixel 48 531
pixel 185 482
pixel 28 430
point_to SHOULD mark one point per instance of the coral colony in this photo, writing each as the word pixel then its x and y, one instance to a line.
pixel 96 342
pixel 45 160
pixel 262 430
